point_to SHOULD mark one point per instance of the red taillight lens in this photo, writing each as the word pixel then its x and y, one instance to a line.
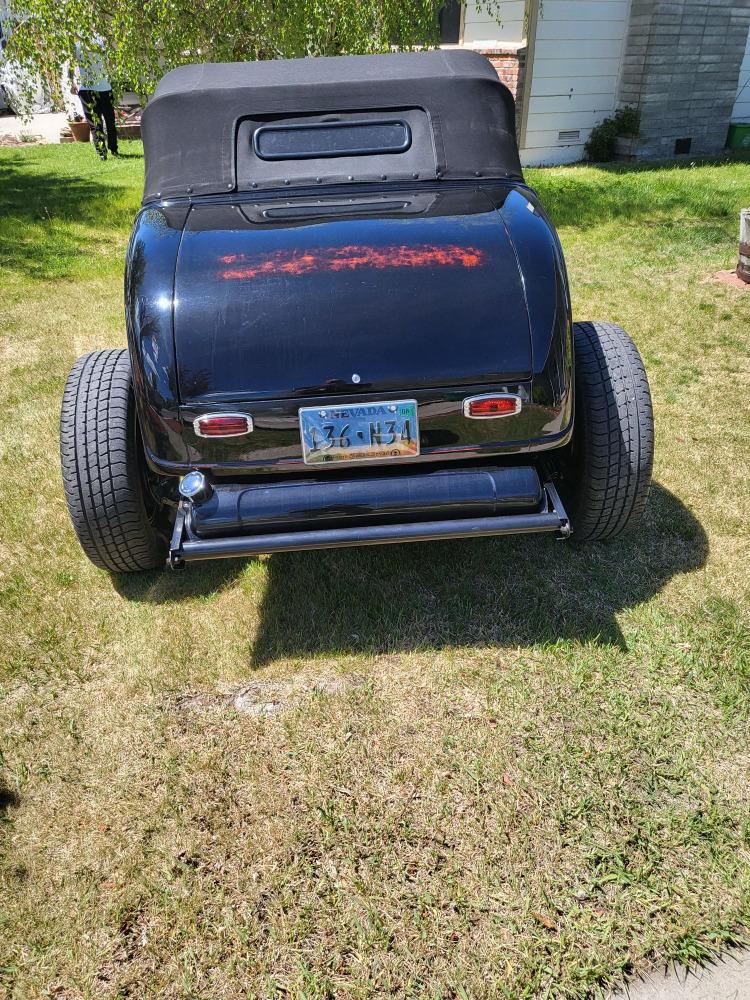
pixel 221 425
pixel 492 406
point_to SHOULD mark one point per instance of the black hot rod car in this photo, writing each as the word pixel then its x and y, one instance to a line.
pixel 348 323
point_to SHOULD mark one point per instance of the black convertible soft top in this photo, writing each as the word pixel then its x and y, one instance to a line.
pixel 201 130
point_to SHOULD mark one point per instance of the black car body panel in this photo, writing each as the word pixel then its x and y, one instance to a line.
pixel 257 306
pixel 149 315
pixel 425 293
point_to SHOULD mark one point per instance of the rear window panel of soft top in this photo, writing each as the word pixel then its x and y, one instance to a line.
pixel 375 144
pixel 327 139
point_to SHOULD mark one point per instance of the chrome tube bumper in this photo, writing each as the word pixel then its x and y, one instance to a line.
pixel 188 546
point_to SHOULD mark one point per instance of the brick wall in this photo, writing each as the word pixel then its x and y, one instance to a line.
pixel 681 65
pixel 510 65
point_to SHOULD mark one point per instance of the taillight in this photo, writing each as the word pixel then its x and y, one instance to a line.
pixel 223 425
pixel 492 405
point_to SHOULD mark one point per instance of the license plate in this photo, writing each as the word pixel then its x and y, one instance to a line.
pixel 360 432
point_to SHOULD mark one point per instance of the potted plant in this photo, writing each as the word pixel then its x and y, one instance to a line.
pixel 615 137
pixel 80 128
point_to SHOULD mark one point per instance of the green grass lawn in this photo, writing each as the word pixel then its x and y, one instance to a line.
pixel 500 768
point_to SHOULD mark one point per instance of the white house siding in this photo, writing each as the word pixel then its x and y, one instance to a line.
pixel 577 59
pixel 741 112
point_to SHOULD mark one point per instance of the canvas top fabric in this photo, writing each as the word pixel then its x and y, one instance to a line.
pixel 199 126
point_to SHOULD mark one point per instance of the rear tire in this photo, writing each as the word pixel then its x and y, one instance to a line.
pixel 607 471
pixel 106 480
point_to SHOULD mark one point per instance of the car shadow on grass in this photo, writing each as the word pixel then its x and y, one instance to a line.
pixel 398 598
pixel 503 591
pixel 199 580
pixel 8 800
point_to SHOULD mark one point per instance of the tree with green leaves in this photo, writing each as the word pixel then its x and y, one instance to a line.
pixel 142 39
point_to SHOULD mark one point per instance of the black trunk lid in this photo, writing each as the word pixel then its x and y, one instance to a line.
pixel 369 293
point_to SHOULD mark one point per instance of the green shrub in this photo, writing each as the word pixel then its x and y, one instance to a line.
pixel 601 143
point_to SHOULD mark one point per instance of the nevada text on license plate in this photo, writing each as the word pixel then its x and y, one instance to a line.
pixel 360 432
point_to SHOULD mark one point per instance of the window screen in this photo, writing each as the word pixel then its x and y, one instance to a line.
pixel 324 139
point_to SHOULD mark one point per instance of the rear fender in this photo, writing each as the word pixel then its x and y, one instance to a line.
pixel 149 313
pixel 545 280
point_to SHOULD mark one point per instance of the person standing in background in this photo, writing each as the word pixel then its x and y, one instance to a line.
pixel 93 88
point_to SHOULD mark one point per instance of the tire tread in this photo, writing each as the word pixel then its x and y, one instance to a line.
pixel 613 407
pixel 100 470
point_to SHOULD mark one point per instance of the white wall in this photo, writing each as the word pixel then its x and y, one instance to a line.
pixel 741 111
pixel 577 59
pixel 480 27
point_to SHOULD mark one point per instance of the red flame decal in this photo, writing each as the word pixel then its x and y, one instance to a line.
pixel 349 258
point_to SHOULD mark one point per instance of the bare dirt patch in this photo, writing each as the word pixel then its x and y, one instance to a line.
pixel 268 697
pixel 732 279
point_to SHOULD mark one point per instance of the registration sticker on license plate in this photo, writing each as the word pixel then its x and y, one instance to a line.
pixel 359 432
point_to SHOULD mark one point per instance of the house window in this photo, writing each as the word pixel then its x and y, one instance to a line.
pixel 450 23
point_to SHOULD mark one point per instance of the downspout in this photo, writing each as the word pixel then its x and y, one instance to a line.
pixel 532 19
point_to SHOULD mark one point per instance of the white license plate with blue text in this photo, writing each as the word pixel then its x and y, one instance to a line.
pixel 359 432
